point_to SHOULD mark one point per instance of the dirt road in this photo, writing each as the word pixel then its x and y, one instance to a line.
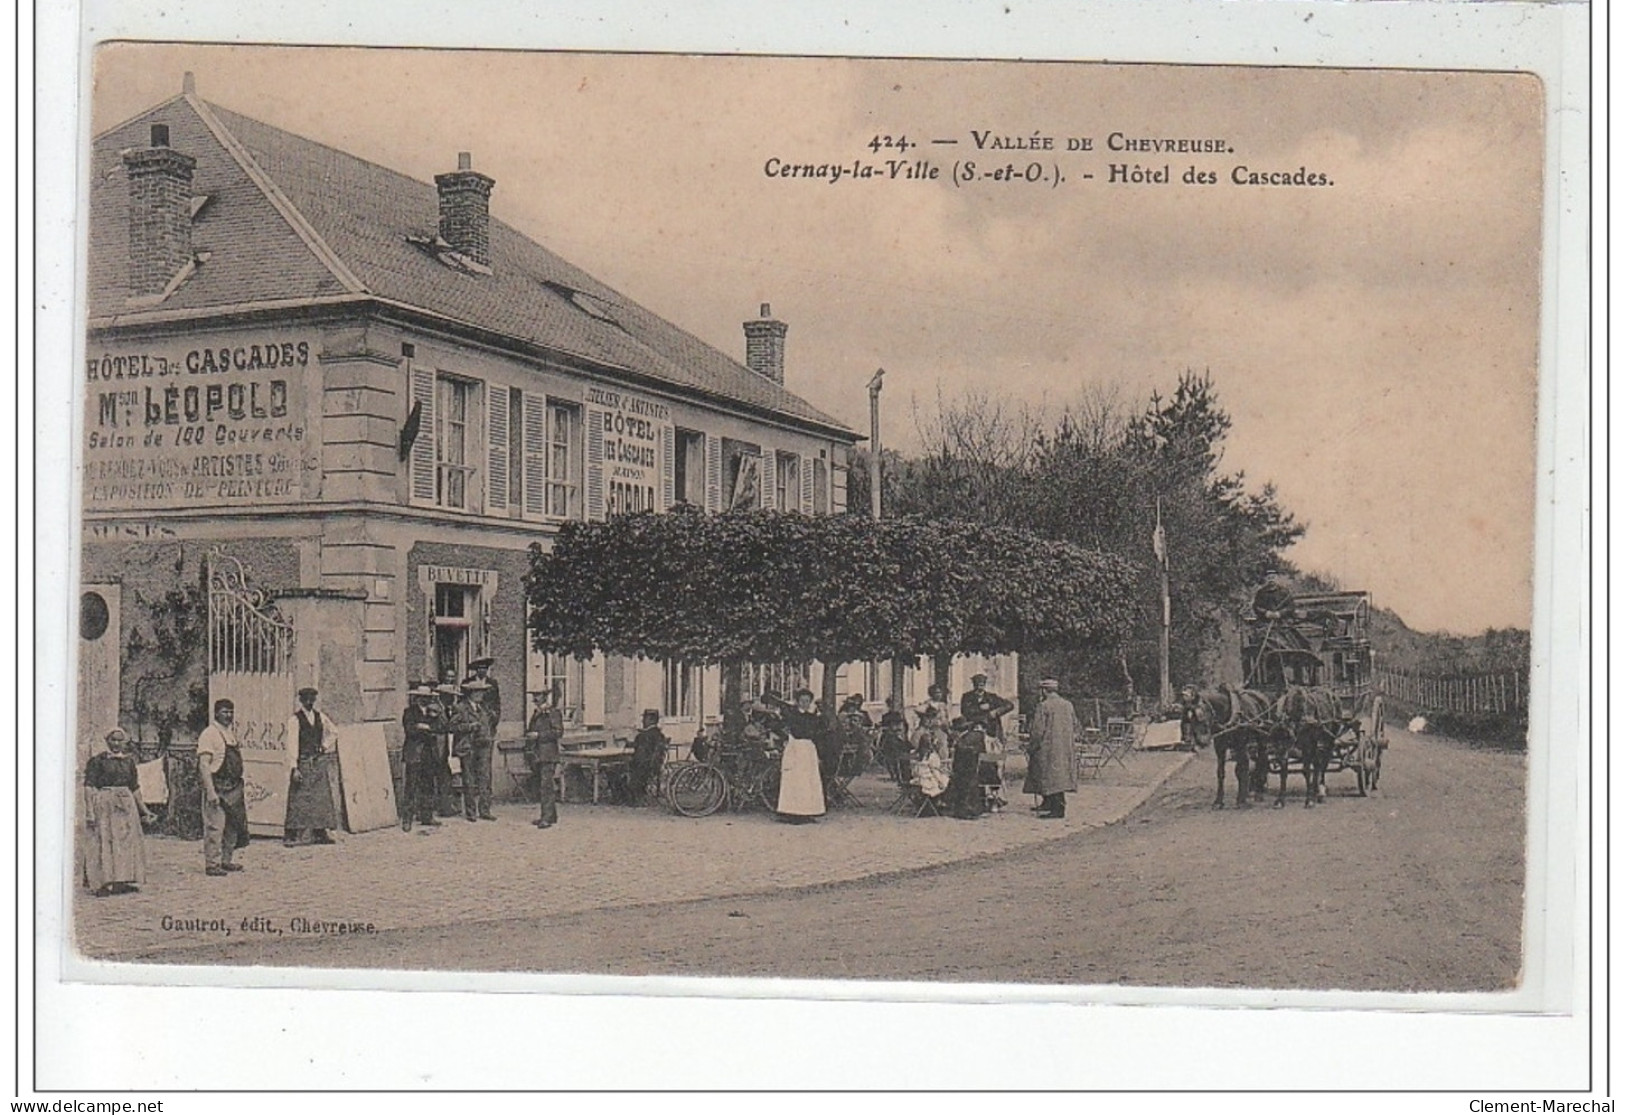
pixel 1416 888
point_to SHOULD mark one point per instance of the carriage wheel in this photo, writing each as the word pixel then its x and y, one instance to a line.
pixel 1362 766
pixel 697 791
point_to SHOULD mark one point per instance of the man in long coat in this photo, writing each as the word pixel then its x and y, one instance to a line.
pixel 1051 769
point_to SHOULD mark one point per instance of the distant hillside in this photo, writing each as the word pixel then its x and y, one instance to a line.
pixel 1439 655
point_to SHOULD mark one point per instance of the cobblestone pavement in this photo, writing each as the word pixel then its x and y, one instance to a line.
pixel 596 858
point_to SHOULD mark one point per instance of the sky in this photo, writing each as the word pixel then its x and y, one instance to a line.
pixel 1374 339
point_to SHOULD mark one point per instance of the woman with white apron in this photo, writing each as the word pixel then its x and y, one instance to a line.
pixel 801 787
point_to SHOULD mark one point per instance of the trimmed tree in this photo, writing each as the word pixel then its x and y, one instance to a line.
pixel 769 586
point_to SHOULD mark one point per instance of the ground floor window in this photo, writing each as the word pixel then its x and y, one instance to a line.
pixel 559 674
pixel 455 610
pixel 781 678
pixel 680 691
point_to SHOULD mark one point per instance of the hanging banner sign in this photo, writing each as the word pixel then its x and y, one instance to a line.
pixel 635 431
pixel 201 421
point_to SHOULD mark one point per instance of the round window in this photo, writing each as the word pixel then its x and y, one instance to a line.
pixel 93 616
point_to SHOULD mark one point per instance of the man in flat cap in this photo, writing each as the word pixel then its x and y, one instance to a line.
pixel 1051 769
pixel 984 708
pixel 310 792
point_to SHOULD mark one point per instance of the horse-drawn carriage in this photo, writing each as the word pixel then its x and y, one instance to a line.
pixel 1307 704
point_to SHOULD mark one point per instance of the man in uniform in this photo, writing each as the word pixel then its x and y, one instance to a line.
pixel 984 708
pixel 1051 768
pixel 310 810
pixel 423 724
pixel 220 770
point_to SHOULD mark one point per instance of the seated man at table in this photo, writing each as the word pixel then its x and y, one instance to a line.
pixel 648 754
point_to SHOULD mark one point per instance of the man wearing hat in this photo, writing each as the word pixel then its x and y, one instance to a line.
pixel 423 724
pixel 1051 770
pixel 310 792
pixel 491 699
pixel 984 708
pixel 648 753
pixel 473 734
pixel 446 803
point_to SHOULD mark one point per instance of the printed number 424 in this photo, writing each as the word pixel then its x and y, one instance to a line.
pixel 892 143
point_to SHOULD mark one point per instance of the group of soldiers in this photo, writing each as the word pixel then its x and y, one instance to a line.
pixel 445 723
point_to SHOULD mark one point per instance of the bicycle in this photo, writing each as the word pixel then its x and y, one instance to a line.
pixel 737 779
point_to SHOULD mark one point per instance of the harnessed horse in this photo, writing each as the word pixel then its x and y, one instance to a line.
pixel 1236 721
pixel 1309 718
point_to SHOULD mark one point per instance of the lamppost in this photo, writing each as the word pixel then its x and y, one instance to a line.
pixel 874 443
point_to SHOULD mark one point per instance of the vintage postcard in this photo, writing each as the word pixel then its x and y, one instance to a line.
pixel 919 523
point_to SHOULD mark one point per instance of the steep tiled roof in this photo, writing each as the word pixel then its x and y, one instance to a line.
pixel 291 219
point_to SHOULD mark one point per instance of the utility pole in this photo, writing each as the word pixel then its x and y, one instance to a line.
pixel 874 444
pixel 874 500
pixel 1159 546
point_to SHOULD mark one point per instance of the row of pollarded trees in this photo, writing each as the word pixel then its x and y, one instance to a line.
pixel 766 586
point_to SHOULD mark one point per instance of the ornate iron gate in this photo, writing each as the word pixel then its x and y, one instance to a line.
pixel 251 665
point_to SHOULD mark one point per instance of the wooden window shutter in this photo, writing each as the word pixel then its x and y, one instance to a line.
pixel 837 489
pixel 770 478
pixel 713 473
pixel 806 485
pixel 535 486
pixel 668 467
pixel 496 446
pixel 423 448
pixel 595 463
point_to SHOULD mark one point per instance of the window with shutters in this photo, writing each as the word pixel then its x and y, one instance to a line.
pixel 563 457
pixel 689 476
pixel 787 483
pixel 456 442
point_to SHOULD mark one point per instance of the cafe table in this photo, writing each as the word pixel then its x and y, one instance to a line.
pixel 595 761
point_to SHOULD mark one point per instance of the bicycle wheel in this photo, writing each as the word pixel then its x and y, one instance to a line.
pixel 697 791
pixel 767 788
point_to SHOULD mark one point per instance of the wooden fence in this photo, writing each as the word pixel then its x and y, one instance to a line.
pixel 1505 691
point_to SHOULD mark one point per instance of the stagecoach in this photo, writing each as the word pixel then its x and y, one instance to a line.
pixel 1322 639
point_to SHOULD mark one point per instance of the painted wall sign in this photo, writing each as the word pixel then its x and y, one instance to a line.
pixel 637 435
pixel 201 421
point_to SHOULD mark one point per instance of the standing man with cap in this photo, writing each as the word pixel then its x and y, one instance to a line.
pixel 310 793
pixel 423 724
pixel 445 797
pixel 473 737
pixel 220 770
pixel 542 737
pixel 1051 769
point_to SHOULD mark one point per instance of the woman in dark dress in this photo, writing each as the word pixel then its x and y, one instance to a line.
pixel 115 859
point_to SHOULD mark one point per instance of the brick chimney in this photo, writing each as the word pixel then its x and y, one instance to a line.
pixel 160 213
pixel 764 345
pixel 465 210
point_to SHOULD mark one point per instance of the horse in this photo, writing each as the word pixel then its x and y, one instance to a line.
pixel 1234 721
pixel 1310 719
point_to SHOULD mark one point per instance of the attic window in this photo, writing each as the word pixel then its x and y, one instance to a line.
pixel 589 304
pixel 437 248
